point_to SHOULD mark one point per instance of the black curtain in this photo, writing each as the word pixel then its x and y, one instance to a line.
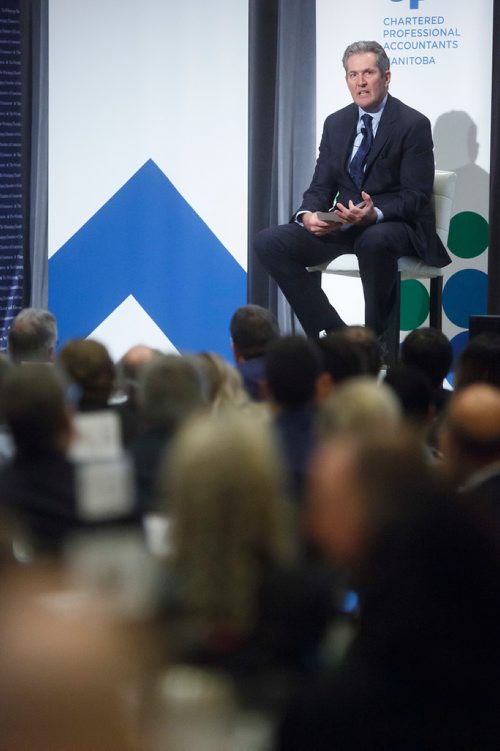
pixel 34 40
pixel 282 127
pixel 494 218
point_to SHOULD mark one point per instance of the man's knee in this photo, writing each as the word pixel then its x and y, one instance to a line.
pixel 275 243
pixel 373 239
pixel 263 240
pixel 389 239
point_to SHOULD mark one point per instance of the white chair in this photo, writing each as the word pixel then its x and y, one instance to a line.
pixel 410 267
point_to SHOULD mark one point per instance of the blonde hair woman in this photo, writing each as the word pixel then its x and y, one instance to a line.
pixel 229 515
pixel 235 595
pixel 225 389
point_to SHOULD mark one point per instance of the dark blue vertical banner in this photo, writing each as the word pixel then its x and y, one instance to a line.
pixel 11 218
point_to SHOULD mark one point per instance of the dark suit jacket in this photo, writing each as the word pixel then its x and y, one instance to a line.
pixel 422 672
pixel 399 173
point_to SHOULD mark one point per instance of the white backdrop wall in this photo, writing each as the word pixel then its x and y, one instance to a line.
pixel 440 52
pixel 148 170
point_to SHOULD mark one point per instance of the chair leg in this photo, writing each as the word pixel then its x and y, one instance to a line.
pixel 393 330
pixel 436 303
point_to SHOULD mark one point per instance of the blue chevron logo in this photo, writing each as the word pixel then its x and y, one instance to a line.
pixel 148 242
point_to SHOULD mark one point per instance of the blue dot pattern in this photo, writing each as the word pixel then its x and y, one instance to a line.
pixel 465 294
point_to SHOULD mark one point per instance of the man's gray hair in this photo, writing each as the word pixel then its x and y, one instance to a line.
pixel 171 388
pixel 32 336
pixel 360 406
pixel 360 48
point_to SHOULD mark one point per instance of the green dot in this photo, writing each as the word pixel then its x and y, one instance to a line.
pixel 469 234
pixel 414 304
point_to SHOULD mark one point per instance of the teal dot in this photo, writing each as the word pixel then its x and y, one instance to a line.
pixel 469 234
pixel 414 305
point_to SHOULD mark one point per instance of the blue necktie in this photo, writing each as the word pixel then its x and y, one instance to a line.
pixel 356 167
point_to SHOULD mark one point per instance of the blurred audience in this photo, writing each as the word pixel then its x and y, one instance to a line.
pixel 385 634
pixel 128 370
pixel 37 487
pixel 242 603
pixel 479 361
pixel 430 350
pixel 413 389
pixel 224 387
pixel 368 346
pixel 470 442
pixel 64 671
pixel 361 406
pixel 171 389
pixel 40 488
pixel 88 366
pixel 253 329
pixel 294 367
pixel 32 336
pixel 422 670
pixel 342 360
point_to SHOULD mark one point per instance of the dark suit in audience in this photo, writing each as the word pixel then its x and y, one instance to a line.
pixel 171 389
pixel 253 330
pixel 37 486
pixel 479 361
pixel 471 448
pixel 294 365
pixel 422 671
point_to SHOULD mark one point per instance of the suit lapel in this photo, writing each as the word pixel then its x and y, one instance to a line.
pixel 348 135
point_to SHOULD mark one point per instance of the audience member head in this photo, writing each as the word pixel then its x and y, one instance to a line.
pixel 360 405
pixel 62 670
pixel 130 365
pixel 430 350
pixel 253 329
pixel 223 383
pixel 225 488
pixel 32 336
pixel 479 361
pixel 88 365
pixel 470 436
pixel 33 403
pixel 359 485
pixel 293 367
pixel 368 345
pixel 412 387
pixel 171 389
pixel 424 561
pixel 342 359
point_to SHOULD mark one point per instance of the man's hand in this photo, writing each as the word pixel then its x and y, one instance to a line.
pixel 317 226
pixel 361 214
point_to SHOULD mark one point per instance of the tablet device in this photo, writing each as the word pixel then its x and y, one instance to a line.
pixel 329 216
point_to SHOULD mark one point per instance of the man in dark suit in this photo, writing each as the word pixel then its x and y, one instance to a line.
pixel 374 174
pixel 470 442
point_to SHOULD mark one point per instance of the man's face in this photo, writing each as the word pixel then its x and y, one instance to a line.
pixel 337 516
pixel 366 83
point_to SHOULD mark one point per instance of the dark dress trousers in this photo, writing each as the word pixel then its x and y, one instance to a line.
pixel 399 177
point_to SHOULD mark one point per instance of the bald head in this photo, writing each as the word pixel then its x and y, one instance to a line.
pixel 138 355
pixel 476 412
pixel 471 435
